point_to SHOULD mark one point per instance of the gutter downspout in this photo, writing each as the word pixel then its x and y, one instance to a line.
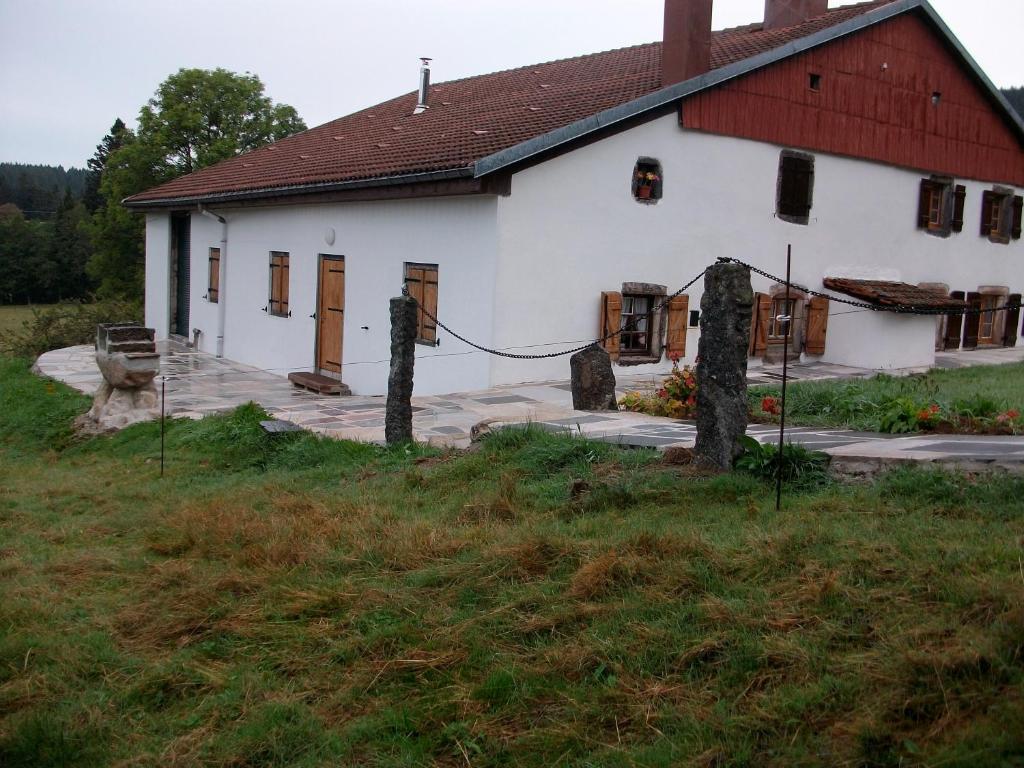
pixel 222 278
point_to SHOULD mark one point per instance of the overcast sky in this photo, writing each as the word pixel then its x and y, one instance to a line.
pixel 69 67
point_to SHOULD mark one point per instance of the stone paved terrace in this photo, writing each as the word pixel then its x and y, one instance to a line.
pixel 198 384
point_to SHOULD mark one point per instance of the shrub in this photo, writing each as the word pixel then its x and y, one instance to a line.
pixel 65 325
pixel 799 465
pixel 676 399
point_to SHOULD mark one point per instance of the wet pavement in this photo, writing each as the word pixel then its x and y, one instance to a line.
pixel 198 384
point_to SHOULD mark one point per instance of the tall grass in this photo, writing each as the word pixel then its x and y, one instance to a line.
pixel 543 600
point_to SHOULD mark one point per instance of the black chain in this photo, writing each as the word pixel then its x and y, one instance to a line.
pixel 903 309
pixel 656 308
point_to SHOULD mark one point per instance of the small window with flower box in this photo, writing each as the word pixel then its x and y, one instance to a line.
pixel 647 180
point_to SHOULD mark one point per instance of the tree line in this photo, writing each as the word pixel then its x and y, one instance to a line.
pixel 65 234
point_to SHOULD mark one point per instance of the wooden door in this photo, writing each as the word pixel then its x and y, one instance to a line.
pixel 330 313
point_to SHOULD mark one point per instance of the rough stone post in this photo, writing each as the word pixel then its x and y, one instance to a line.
pixel 726 309
pixel 593 382
pixel 398 413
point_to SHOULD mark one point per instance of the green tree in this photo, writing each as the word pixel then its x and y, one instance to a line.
pixel 196 118
pixel 69 250
pixel 200 117
pixel 24 273
pixel 112 142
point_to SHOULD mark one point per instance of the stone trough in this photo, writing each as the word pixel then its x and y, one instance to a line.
pixel 126 356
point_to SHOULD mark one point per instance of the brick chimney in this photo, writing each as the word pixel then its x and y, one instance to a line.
pixel 686 48
pixel 787 13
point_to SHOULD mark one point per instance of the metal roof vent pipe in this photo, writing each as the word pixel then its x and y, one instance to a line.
pixel 789 13
pixel 421 105
pixel 686 45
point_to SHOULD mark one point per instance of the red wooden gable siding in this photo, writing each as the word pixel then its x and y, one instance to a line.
pixel 864 111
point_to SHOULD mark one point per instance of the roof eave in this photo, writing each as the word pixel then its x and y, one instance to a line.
pixel 666 96
pixel 298 189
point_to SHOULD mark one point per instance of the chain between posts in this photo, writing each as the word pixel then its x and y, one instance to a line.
pixel 514 356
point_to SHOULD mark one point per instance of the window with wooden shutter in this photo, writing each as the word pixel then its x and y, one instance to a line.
pixel 421 281
pixel 954 325
pixel 959 198
pixel 1012 320
pixel 972 321
pixel 278 305
pixel 678 316
pixel 940 206
pixel 759 324
pixel 213 279
pixel 1000 215
pixel 817 326
pixel 611 322
pixel 795 187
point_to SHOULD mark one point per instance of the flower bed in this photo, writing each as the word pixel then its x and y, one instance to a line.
pixel 676 399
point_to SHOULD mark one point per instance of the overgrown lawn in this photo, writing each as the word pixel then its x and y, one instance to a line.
pixel 544 601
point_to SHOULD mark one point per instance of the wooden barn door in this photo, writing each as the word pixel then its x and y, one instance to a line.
pixel 330 313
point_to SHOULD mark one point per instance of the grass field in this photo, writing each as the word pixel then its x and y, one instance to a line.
pixel 859 404
pixel 544 601
pixel 13 315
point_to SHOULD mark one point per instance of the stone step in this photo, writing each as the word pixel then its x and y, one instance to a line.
pixel 322 385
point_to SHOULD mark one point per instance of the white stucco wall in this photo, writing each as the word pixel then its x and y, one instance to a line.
pixel 376 239
pixel 571 229
pixel 525 272
pixel 880 341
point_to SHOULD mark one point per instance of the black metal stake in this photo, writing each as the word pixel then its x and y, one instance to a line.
pixel 163 396
pixel 787 321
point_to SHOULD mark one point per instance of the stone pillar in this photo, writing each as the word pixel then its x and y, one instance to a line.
pixel 593 382
pixel 398 414
pixel 726 308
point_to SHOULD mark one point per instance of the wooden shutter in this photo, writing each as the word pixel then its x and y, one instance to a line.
pixel 611 322
pixel 213 282
pixel 279 283
pixel 817 325
pixel 972 321
pixel 759 324
pixel 988 199
pixel 284 284
pixel 959 198
pixel 1018 209
pixel 428 330
pixel 678 320
pixel 954 325
pixel 1012 321
pixel 923 204
pixel 421 281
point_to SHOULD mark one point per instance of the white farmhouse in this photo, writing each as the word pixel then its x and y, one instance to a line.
pixel 530 209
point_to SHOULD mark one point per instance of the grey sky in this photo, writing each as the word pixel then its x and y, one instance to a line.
pixel 67 69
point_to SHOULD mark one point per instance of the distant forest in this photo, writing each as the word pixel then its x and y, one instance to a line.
pixel 1016 98
pixel 38 190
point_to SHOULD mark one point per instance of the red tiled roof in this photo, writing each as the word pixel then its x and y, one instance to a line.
pixel 471 118
pixel 889 294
